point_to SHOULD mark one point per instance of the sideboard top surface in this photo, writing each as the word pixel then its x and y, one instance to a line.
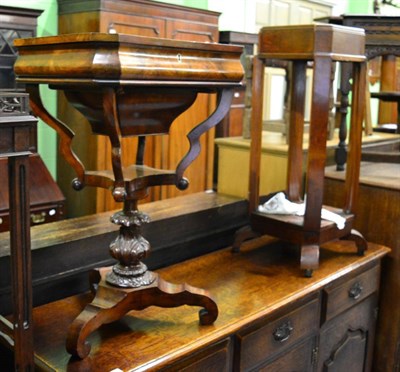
pixel 246 286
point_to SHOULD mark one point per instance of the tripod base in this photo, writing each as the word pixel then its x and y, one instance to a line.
pixel 112 303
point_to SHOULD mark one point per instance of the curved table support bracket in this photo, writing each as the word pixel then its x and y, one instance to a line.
pixel 361 242
pixel 65 133
pixel 241 235
pixel 111 304
pixel 223 106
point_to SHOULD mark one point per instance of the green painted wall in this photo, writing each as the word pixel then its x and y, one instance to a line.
pixel 360 6
pixel 200 4
pixel 47 25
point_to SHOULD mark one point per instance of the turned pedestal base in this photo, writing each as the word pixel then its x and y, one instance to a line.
pixel 112 303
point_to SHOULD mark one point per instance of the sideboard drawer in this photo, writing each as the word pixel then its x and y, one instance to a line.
pixel 216 357
pixel 276 335
pixel 341 297
pixel 299 358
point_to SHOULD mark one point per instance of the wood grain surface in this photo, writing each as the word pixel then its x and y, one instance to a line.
pixel 247 286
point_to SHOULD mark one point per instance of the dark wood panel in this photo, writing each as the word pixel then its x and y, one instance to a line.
pixel 135 25
pixel 187 30
pixel 378 216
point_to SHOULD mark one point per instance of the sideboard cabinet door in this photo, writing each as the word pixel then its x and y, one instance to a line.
pixel 347 336
pixel 300 358
pixel 347 343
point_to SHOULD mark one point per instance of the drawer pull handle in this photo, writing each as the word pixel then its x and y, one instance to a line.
pixel 283 332
pixel 38 217
pixel 355 291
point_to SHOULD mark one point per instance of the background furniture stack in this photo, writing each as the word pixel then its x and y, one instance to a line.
pixel 380 178
pixel 382 41
pixel 47 203
pixel 378 219
pixel 17 141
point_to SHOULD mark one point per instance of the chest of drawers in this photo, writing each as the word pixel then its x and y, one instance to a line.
pixel 271 317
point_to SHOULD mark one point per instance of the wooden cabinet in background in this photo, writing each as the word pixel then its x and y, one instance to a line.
pixel 145 18
pixel 380 188
pixel 232 124
pixel 47 202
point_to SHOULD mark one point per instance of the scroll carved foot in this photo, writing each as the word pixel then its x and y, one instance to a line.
pixel 243 234
pixel 360 241
pixel 112 303
pixel 309 258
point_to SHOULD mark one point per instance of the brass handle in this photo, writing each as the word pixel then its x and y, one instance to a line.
pixel 38 217
pixel 355 291
pixel 283 332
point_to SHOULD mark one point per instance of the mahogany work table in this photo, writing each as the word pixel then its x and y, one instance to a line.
pixel 271 318
pixel 323 45
pixel 129 86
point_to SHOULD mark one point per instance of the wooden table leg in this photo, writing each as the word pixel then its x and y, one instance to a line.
pixel 317 144
pixel 256 133
pixel 345 87
pixel 296 125
pixel 21 262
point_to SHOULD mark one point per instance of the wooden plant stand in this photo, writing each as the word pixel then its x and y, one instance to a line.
pixel 129 86
pixel 322 45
